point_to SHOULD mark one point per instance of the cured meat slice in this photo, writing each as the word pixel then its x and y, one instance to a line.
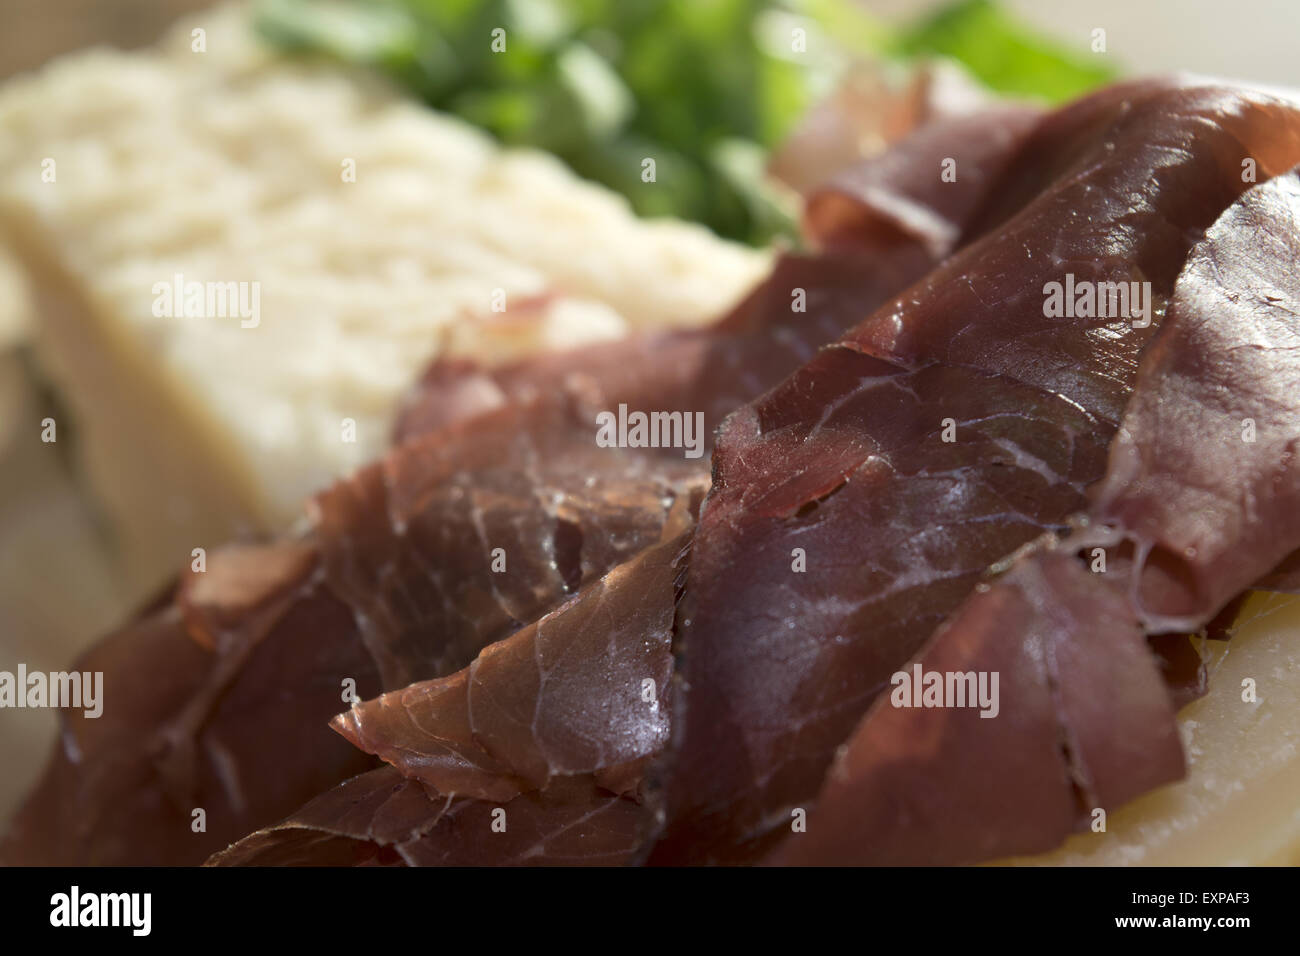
pixel 1208 507
pixel 1114 188
pixel 190 708
pixel 1068 651
pixel 1203 477
pixel 856 530
pixel 777 667
pixel 1236 804
pixel 384 819
pixel 913 189
pixel 1083 720
pixel 460 538
pixel 577 692
pixel 540 738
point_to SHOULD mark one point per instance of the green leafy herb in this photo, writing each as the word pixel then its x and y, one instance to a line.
pixel 1003 55
pixel 705 87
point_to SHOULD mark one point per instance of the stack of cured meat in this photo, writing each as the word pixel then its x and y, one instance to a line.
pixel 562 652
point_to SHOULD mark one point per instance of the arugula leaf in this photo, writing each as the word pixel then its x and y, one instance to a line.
pixel 705 87
pixel 358 33
pixel 1002 54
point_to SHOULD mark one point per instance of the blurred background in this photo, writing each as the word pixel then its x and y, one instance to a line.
pixel 1222 37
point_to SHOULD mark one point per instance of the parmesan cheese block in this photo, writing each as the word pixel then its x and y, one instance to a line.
pixel 1237 804
pixel 239 262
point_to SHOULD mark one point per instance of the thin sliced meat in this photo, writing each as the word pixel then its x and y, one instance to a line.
pixel 1082 720
pixel 461 538
pixel 1114 188
pixel 242 732
pixel 777 667
pixel 1181 478
pixel 384 819
pixel 577 692
pixel 1204 478
pixel 188 727
pixel 839 543
pixel 913 189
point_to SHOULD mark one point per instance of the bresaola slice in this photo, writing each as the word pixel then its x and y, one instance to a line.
pixel 866 205
pixel 1204 478
pixel 203 719
pixel 845 537
pixel 577 692
pixel 1222 505
pixel 222 735
pixel 777 666
pixel 461 537
pixel 541 738
pixel 1084 721
pixel 384 819
pixel 535 745
pixel 1116 187
pixel 1196 362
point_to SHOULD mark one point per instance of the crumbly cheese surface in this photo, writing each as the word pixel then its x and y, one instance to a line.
pixel 121 171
